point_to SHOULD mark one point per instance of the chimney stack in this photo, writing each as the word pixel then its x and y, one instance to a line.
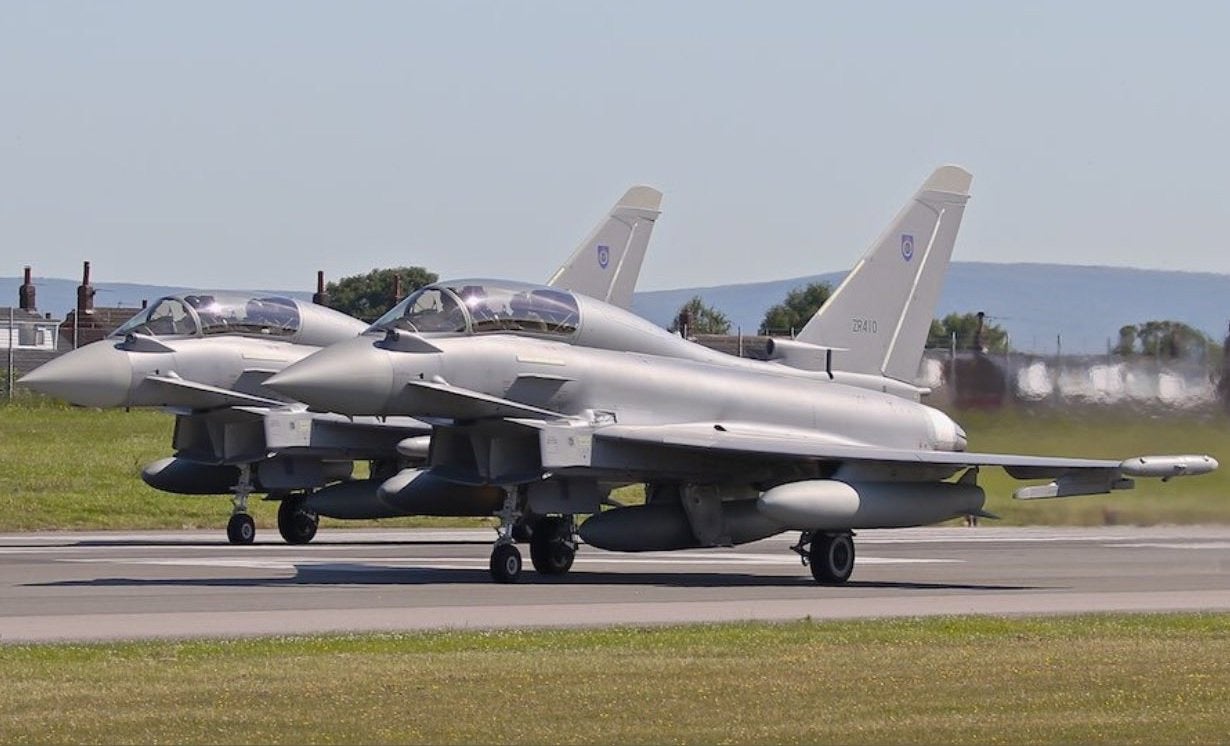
pixel 320 298
pixel 25 295
pixel 85 293
pixel 396 289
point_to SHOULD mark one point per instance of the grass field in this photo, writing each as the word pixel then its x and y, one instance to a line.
pixel 76 468
pixel 1119 679
pixel 71 468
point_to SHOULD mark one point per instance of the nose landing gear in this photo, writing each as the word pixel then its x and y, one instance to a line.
pixel 553 544
pixel 241 529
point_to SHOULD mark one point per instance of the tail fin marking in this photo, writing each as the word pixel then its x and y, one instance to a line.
pixel 882 311
pixel 608 262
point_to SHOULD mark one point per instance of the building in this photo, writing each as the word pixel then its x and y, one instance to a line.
pixel 86 324
pixel 27 337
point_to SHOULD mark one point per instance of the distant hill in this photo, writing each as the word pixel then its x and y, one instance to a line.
pixel 1035 303
pixel 1085 306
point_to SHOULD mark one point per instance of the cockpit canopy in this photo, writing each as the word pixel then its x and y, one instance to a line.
pixel 485 306
pixel 197 315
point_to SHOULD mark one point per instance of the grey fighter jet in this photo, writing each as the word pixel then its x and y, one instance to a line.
pixel 731 450
pixel 880 286
pixel 205 357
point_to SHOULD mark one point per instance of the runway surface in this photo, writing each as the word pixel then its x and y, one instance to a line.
pixel 92 586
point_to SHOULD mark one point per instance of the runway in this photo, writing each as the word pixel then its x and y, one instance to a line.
pixel 110 585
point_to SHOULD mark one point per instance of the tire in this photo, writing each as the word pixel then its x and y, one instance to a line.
pixel 296 525
pixel 241 529
pixel 832 558
pixel 551 549
pixel 505 563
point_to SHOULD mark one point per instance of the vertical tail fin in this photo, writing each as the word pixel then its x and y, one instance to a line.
pixel 882 311
pixel 608 262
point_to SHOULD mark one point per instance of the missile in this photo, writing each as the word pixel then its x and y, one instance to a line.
pixel 1167 467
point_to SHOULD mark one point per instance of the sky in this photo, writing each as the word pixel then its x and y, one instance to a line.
pixel 248 144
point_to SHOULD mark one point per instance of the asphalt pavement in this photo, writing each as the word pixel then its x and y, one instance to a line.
pixel 110 585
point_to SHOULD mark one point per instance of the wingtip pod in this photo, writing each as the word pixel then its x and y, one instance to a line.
pixel 641 197
pixel 1166 467
pixel 949 179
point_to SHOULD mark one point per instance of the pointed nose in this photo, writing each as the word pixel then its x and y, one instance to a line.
pixel 352 377
pixel 97 375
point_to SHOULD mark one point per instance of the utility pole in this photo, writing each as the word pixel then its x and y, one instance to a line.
pixel 9 379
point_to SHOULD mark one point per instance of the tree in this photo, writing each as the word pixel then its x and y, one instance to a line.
pixel 695 317
pixel 965 326
pixel 1163 339
pixel 798 308
pixel 1127 340
pixel 369 296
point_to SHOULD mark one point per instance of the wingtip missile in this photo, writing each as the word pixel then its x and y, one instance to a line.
pixel 1168 467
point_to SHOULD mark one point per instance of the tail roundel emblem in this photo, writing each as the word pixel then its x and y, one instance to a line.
pixel 604 256
pixel 907 247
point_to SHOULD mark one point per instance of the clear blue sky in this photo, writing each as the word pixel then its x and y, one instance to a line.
pixel 247 144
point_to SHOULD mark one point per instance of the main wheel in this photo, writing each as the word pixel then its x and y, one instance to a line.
pixel 523 530
pixel 832 558
pixel 241 529
pixel 551 547
pixel 297 526
pixel 505 563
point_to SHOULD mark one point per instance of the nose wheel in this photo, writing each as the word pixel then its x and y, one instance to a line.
pixel 505 563
pixel 241 529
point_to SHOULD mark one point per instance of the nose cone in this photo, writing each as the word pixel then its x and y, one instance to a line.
pixel 353 377
pixel 97 375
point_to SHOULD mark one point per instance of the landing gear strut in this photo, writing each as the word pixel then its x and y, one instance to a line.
pixel 241 529
pixel 296 524
pixel 505 562
pixel 552 539
pixel 830 555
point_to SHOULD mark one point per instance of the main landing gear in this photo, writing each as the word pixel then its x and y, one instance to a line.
pixel 830 555
pixel 553 545
pixel 296 524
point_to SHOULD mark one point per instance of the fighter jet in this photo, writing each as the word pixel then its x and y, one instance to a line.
pixel 731 450
pixel 879 284
pixel 205 357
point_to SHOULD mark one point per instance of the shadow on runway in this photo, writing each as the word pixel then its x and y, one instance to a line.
pixel 360 575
